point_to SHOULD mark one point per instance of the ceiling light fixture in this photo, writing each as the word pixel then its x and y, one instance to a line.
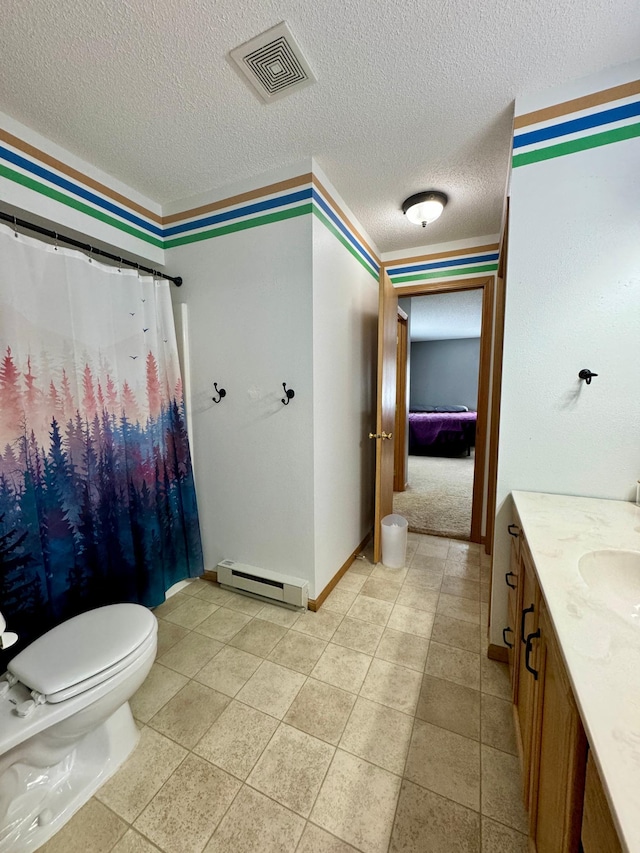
pixel 424 208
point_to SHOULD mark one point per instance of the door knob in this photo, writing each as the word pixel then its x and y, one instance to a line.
pixel 387 435
pixel 374 435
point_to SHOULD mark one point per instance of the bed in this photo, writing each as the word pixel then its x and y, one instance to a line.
pixel 442 432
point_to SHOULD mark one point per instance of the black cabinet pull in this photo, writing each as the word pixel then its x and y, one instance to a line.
pixel 524 616
pixel 506 577
pixel 504 637
pixel 530 638
pixel 511 532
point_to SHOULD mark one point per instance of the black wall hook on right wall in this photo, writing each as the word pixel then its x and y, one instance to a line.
pixel 587 375
pixel 289 394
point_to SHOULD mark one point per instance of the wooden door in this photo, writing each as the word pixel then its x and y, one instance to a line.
pixel 386 406
pixel 400 436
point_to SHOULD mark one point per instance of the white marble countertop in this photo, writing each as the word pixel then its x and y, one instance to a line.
pixel 601 648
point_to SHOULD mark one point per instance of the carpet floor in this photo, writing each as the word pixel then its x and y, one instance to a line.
pixel 439 496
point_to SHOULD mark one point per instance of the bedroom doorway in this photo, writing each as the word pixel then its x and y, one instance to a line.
pixel 439 481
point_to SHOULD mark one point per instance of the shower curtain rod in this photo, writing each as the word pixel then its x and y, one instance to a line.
pixel 87 247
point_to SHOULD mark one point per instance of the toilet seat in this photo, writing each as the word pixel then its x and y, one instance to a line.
pixel 84 651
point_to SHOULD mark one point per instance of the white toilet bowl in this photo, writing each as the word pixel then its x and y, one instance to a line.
pixel 65 721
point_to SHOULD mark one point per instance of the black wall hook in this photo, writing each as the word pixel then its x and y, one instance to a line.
pixel 289 394
pixel 587 375
pixel 220 392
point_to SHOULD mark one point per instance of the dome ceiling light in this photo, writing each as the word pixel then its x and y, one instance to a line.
pixel 425 207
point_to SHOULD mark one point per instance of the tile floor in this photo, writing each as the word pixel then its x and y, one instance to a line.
pixel 377 724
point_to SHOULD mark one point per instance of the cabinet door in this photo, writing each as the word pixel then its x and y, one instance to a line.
pixel 510 633
pixel 556 811
pixel 598 831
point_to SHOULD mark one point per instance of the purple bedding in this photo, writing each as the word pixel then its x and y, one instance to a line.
pixel 432 430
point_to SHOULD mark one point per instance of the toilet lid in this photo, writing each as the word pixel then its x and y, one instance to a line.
pixel 83 647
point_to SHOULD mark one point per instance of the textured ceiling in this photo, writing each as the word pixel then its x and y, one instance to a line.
pixel 411 95
pixel 446 315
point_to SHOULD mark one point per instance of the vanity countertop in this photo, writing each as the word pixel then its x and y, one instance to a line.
pixel 601 648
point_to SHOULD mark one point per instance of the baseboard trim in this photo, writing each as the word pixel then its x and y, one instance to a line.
pixel 316 603
pixel 499 653
pixel 210 575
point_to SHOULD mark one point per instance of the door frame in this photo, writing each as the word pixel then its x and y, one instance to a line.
pixel 484 430
pixel 400 443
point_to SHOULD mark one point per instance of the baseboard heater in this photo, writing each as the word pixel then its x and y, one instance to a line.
pixel 263 584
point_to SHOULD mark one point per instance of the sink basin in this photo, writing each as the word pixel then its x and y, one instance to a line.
pixel 614 578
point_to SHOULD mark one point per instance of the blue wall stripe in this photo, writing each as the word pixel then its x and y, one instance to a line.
pixel 343 228
pixel 454 262
pixel 59 181
pixel 577 124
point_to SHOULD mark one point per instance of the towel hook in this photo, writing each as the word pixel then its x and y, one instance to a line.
pixel 587 375
pixel 289 394
pixel 220 392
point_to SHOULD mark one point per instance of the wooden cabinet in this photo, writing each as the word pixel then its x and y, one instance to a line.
pixel 510 632
pixel 598 832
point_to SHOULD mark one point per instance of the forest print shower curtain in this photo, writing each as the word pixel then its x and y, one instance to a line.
pixel 97 499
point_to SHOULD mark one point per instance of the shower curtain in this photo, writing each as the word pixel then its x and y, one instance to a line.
pixel 97 498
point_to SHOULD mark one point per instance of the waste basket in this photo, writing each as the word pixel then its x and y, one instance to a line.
pixel 394 540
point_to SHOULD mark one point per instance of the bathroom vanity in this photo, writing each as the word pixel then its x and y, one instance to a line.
pixel 573 636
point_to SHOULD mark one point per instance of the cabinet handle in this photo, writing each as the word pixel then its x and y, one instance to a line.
pixel 511 532
pixel 506 577
pixel 530 638
pixel 504 637
pixel 524 616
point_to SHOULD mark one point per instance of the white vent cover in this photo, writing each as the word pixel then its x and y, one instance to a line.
pixel 274 63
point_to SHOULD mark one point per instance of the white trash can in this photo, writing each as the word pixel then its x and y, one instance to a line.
pixel 394 540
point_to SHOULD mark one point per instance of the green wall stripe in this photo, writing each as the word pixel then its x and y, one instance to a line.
pixel 331 227
pixel 43 189
pixel 240 226
pixel 445 274
pixel 608 137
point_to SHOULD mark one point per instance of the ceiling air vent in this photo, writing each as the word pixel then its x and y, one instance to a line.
pixel 274 63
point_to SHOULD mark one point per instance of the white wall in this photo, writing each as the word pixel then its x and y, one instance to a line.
pixel 445 373
pixel 572 302
pixel 345 314
pixel 250 317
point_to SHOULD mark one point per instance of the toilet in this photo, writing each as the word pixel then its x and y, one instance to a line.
pixel 65 721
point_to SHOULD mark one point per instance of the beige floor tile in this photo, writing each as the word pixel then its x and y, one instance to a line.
pixel 316 840
pixel 159 686
pixel 502 789
pixel 342 667
pixel 190 654
pixel 446 763
pixel 229 670
pixel 187 716
pixel 464 551
pixel 450 706
pixel 321 624
pixel 223 625
pixel 93 828
pixel 420 598
pixel 370 610
pixel 427 562
pixel 433 546
pixel 456 632
pixel 244 604
pixel 392 685
pixel 133 842
pixel 406 649
pixel 168 635
pixel 454 664
pixel 462 569
pixel 361 567
pixel 321 710
pixel 494 678
pixel 459 608
pixel 172 603
pixel 298 651
pixel 485 592
pixel 194 586
pixel 292 768
pixel 258 637
pixel 428 823
pixel 357 803
pixel 272 689
pixel 380 589
pixel 142 775
pixel 378 734
pixel 462 587
pixel 358 635
pixel 255 824
pixel 496 724
pixel 351 581
pixel 385 573
pixel 497 838
pixel 191 612
pixel 237 738
pixel 183 815
pixel 213 592
pixel 423 579
pixel 411 621
pixel 279 615
pixel 340 600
